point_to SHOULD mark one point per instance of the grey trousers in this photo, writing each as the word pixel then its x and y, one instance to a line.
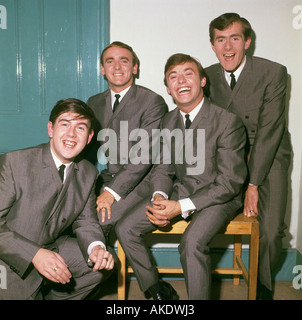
pixel 193 248
pixel 35 287
pixel 272 209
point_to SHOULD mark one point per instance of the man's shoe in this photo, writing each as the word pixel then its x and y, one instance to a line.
pixel 263 293
pixel 163 291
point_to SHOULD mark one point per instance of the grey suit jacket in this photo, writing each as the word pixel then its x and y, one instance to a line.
pixel 259 100
pixel 36 209
pixel 224 166
pixel 140 108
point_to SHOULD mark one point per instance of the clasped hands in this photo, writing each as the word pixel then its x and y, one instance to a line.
pixel 53 267
pixel 162 210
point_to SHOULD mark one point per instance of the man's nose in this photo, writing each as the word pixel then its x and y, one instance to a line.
pixel 181 78
pixel 71 132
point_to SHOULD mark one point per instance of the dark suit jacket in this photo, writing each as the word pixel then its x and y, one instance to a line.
pixel 36 209
pixel 140 108
pixel 224 167
pixel 259 100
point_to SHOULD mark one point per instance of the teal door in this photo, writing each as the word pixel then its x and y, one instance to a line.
pixel 50 50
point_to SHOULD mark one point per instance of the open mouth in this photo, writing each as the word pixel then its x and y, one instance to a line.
pixel 184 90
pixel 229 55
pixel 69 144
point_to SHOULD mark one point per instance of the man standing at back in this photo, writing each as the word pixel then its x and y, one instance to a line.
pixel 255 90
pixel 122 109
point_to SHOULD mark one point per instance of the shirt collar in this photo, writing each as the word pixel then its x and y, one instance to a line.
pixel 194 112
pixel 58 162
pixel 122 94
pixel 237 72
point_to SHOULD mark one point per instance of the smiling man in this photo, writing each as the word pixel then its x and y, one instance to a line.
pixel 40 202
pixel 209 199
pixel 139 108
pixel 255 90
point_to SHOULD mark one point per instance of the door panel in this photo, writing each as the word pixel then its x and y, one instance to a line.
pixel 50 50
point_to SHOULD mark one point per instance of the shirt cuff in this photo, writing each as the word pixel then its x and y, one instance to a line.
pixel 159 192
pixel 116 196
pixel 187 207
pixel 93 244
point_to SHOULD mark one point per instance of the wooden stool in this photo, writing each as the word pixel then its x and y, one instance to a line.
pixel 239 226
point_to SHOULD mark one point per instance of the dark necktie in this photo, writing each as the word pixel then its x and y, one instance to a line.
pixel 116 102
pixel 188 121
pixel 61 172
pixel 233 81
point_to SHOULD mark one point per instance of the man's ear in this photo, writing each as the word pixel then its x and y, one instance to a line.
pixel 90 136
pixel 135 69
pixel 50 129
pixel 102 70
pixel 203 82
pixel 247 43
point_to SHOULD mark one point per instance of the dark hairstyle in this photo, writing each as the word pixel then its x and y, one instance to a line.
pixel 225 20
pixel 181 58
pixel 124 46
pixel 76 106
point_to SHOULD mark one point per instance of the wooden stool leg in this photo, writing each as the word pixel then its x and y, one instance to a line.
pixel 253 262
pixel 237 252
pixel 121 281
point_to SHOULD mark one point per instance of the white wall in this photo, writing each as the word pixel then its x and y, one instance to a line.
pixel 158 28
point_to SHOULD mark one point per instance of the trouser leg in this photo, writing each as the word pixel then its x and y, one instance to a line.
pixel 83 280
pixel 272 209
pixel 130 231
pixel 194 248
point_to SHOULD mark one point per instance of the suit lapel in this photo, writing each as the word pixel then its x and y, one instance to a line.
pixel 244 73
pixel 63 189
pixel 128 96
pixel 107 115
pixel 52 175
pixel 201 115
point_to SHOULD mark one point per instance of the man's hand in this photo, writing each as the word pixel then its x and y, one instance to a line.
pixel 162 217
pixel 104 202
pixel 157 204
pixel 52 266
pixel 251 201
pixel 101 258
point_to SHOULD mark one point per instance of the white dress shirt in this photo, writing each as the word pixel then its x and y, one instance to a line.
pixel 58 163
pixel 187 206
pixel 236 73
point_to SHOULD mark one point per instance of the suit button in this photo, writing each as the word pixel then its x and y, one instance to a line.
pixel 247 117
pixel 63 220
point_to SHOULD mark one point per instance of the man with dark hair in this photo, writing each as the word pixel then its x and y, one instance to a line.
pixel 255 90
pixel 44 192
pixel 200 180
pixel 124 109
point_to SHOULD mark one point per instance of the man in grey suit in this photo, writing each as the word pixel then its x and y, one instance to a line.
pixel 258 98
pixel 121 111
pixel 44 192
pixel 199 177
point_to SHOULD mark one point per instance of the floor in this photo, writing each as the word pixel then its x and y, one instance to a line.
pixel 221 290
